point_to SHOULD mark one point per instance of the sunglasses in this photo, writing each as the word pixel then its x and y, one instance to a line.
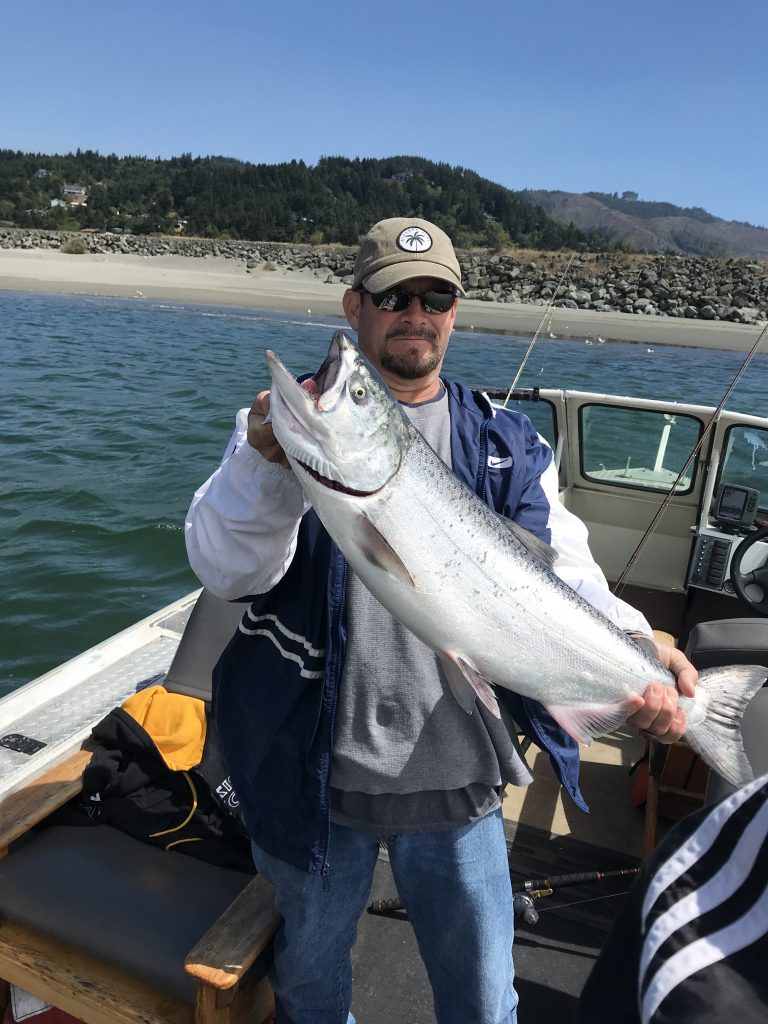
pixel 398 299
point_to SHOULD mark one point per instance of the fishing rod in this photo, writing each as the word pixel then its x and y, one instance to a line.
pixel 547 312
pixel 621 581
pixel 524 894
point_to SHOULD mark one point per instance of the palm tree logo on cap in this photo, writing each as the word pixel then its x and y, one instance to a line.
pixel 414 240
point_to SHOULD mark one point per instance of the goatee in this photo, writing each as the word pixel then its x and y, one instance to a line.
pixel 415 362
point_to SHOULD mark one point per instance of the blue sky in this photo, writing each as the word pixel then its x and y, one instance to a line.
pixel 668 98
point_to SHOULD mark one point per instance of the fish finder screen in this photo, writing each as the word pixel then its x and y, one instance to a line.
pixel 732 503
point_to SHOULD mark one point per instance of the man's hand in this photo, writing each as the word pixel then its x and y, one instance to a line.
pixel 261 436
pixel 660 716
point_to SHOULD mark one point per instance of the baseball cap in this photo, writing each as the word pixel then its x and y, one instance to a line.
pixel 399 248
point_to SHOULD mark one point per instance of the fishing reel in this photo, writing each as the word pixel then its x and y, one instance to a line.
pixel 523 905
pixel 524 894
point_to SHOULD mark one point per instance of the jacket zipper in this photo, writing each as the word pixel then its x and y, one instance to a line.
pixel 326 868
pixel 482 467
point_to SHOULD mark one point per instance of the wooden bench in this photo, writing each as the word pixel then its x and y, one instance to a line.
pixel 225 986
pixel 114 931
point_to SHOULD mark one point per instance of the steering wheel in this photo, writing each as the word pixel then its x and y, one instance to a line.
pixel 757 576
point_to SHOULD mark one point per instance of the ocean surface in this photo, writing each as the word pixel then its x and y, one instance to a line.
pixel 114 411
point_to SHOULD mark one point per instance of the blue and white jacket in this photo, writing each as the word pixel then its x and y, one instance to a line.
pixel 276 684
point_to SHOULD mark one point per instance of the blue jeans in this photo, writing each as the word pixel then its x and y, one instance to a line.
pixel 456 888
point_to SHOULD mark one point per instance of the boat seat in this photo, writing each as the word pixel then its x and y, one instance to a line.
pixel 729 642
pixel 740 641
pixel 98 890
pixel 736 642
pixel 115 931
pixel 211 624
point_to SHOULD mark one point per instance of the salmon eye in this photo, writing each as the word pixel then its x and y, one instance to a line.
pixel 358 392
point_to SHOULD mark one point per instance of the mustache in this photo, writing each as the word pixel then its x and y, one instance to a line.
pixel 412 332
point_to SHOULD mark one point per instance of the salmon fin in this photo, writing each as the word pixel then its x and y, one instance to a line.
pixel 379 552
pixel 467 684
pixel 725 693
pixel 585 721
pixel 534 545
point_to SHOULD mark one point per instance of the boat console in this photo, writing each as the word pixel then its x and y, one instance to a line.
pixel 733 513
pixel 711 560
pixel 736 505
pixel 729 552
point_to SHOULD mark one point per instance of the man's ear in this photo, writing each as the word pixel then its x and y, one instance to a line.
pixel 351 302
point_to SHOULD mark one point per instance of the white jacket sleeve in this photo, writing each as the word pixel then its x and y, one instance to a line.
pixel 242 525
pixel 576 566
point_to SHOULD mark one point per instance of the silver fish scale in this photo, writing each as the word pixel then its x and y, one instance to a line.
pixel 86 703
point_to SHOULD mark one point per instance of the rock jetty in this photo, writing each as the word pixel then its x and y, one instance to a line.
pixel 733 289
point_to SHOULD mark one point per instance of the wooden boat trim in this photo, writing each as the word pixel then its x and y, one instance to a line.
pixel 31 805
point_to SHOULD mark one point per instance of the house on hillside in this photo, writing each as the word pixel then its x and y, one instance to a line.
pixel 75 194
pixel 629 195
pixel 57 202
pixel 41 173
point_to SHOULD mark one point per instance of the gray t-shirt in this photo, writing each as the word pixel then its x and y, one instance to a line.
pixel 407 758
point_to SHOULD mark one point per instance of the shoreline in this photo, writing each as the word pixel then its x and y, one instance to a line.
pixel 218 281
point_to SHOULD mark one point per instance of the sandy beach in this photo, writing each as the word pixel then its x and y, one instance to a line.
pixel 226 282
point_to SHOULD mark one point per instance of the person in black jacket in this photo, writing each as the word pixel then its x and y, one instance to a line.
pixel 691 942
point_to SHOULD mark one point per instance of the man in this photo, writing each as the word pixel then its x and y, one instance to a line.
pixel 339 726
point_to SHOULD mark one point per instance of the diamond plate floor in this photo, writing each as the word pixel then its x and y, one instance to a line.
pixel 58 711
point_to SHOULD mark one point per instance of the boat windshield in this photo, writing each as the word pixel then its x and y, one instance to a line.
pixel 745 462
pixel 639 448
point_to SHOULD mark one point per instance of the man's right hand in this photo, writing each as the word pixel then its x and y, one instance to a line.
pixel 261 435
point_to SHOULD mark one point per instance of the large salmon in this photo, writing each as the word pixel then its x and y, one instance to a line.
pixel 477 589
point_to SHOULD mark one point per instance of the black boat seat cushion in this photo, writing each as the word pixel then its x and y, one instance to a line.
pixel 208 631
pixel 736 642
pixel 728 642
pixel 136 907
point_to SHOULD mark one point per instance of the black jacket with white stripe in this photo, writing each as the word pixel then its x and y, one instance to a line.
pixel 691 942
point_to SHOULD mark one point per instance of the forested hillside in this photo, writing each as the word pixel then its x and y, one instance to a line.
pixel 648 210
pixel 335 201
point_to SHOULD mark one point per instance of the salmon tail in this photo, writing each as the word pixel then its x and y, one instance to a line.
pixel 722 696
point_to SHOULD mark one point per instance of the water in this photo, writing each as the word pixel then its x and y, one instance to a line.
pixel 114 411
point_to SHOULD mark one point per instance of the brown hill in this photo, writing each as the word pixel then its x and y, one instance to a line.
pixel 700 235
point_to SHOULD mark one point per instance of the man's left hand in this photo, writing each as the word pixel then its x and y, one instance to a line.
pixel 660 716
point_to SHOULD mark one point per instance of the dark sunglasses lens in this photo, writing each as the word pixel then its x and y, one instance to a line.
pixel 437 302
pixel 396 300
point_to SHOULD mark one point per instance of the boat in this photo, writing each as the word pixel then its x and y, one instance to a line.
pixel 698 474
